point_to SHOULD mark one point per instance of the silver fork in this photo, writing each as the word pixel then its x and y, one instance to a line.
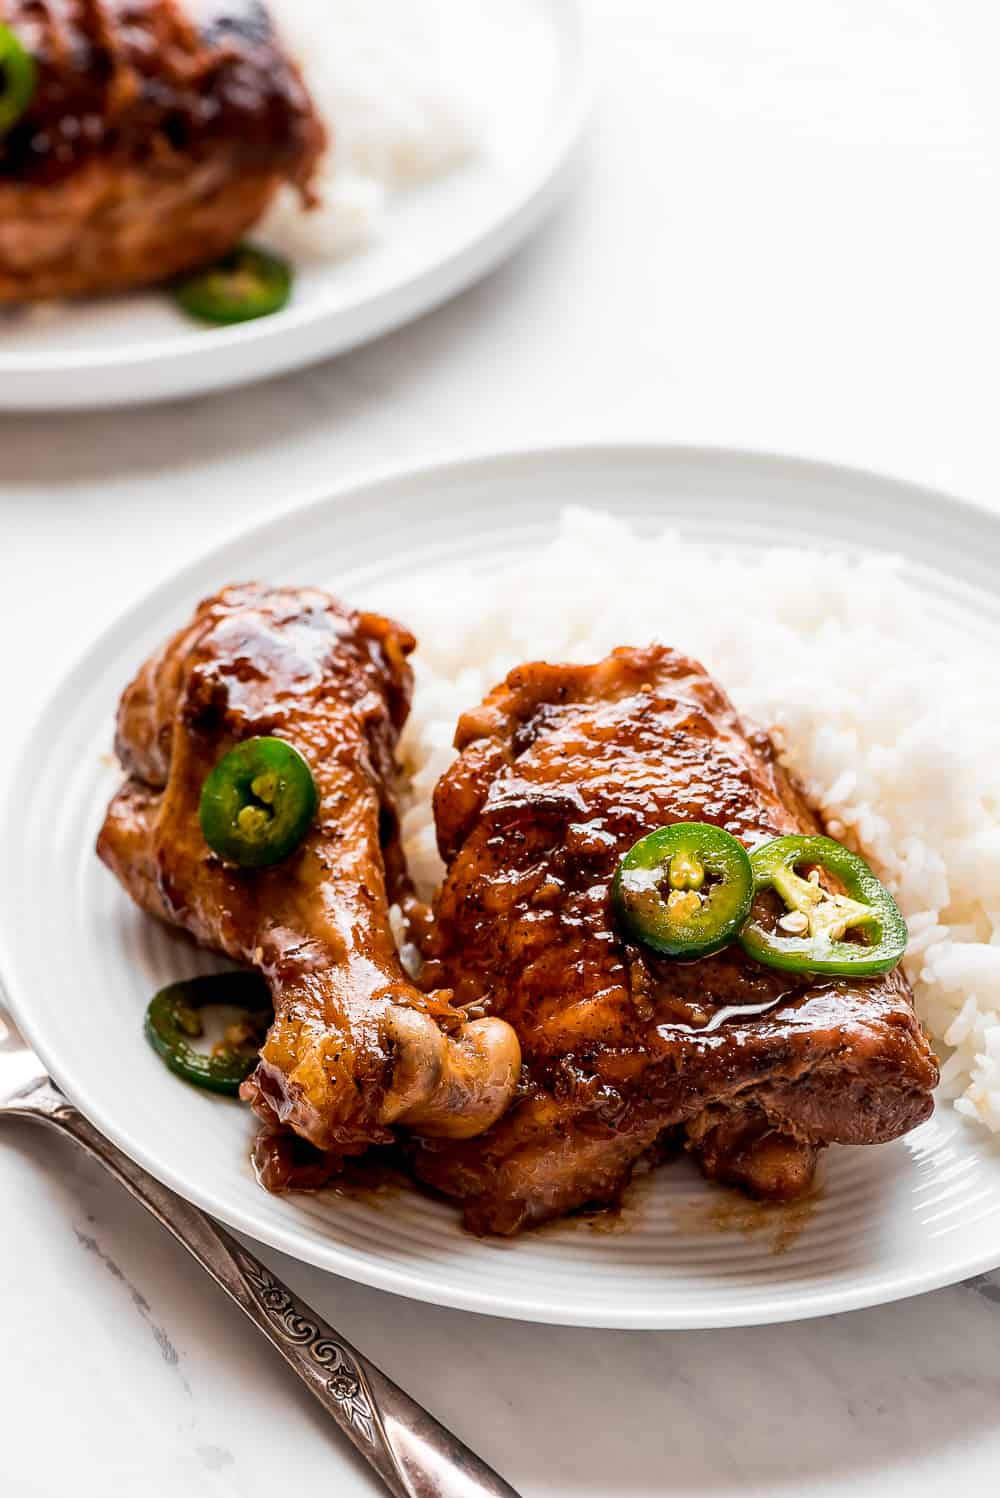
pixel 414 1455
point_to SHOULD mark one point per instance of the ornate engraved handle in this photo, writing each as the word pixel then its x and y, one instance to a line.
pixel 414 1455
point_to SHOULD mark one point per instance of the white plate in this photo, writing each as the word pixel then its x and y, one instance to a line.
pixel 437 239
pixel 81 961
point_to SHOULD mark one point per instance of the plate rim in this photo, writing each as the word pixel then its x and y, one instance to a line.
pixel 771 1308
pixel 379 311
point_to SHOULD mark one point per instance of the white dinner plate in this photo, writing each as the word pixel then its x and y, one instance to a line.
pixel 534 96
pixel 80 961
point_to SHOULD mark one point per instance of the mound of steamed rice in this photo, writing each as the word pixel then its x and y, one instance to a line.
pixel 895 739
pixel 391 81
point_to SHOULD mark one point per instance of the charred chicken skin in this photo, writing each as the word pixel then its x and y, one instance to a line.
pixel 560 771
pixel 355 1047
pixel 158 132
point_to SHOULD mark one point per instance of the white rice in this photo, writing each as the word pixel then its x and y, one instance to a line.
pixel 393 87
pixel 895 739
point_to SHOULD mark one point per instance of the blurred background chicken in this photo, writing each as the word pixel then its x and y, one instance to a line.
pixel 155 135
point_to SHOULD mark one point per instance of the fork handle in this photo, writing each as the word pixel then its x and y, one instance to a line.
pixel 414 1455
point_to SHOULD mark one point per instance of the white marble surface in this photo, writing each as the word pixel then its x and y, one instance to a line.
pixel 785 235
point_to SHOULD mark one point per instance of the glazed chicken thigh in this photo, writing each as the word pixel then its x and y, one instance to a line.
pixel 560 771
pixel 158 133
pixel 355 1047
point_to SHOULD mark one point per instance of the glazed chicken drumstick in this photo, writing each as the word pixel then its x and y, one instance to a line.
pixel 354 1048
pixel 561 770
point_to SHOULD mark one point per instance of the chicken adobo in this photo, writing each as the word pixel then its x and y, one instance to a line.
pixel 561 770
pixel 643 941
pixel 146 139
pixel 355 1047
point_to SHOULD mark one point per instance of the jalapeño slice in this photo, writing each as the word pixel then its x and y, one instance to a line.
pixel 18 78
pixel 258 802
pixel 244 284
pixel 684 890
pixel 173 1020
pixel 811 938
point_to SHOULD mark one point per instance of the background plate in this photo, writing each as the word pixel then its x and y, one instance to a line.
pixel 437 240
pixel 81 961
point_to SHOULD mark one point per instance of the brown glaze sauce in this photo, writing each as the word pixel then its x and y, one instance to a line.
pixel 613 1218
pixel 376 1179
pixel 379 1178
pixel 779 1224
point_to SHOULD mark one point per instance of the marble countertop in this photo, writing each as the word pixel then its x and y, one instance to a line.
pixel 784 235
